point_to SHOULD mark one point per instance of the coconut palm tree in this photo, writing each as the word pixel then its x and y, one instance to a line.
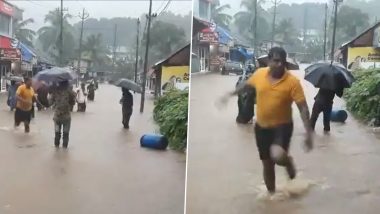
pixel 218 16
pixel 49 36
pixel 23 34
pixel 286 31
pixel 244 20
pixel 95 49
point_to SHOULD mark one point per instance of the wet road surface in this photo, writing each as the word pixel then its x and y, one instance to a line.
pixel 104 170
pixel 341 174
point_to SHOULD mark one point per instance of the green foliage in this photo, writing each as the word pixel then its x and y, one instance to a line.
pixel 219 16
pixel 49 37
pixel 351 22
pixel 165 38
pixel 23 34
pixel 363 98
pixel 170 113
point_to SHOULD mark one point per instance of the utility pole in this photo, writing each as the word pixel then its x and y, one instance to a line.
pixel 255 28
pixel 149 17
pixel 336 2
pixel 61 38
pixel 83 17
pixel 325 34
pixel 305 26
pixel 137 48
pixel 114 47
pixel 275 2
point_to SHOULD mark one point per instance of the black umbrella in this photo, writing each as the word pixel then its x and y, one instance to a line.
pixel 55 75
pixel 129 84
pixel 291 64
pixel 325 75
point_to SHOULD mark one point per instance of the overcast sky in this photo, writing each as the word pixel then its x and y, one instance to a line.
pixel 235 4
pixel 37 9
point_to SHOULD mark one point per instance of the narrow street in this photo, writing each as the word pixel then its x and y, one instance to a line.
pixel 103 171
pixel 225 174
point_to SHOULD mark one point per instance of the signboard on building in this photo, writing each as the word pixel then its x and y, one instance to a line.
pixel 10 54
pixel 209 37
pixel 362 57
pixel 6 8
pixel 173 75
pixel 376 37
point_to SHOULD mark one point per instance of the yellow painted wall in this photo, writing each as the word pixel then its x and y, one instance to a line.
pixel 362 56
pixel 174 74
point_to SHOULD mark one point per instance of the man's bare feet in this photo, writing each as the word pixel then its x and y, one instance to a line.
pixel 291 169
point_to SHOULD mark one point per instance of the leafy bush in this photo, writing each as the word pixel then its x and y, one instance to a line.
pixel 363 98
pixel 170 113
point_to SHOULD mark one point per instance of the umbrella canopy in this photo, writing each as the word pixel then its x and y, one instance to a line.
pixel 128 84
pixel 291 64
pixel 329 76
pixel 55 75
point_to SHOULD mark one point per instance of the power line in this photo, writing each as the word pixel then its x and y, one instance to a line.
pixel 162 4
pixel 165 8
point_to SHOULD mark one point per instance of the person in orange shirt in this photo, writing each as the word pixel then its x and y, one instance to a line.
pixel 25 97
pixel 276 90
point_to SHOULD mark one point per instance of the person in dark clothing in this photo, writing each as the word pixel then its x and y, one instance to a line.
pixel 91 91
pixel 323 103
pixel 42 94
pixel 63 99
pixel 127 106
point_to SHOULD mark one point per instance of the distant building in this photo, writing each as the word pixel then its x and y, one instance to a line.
pixel 202 9
pixel 363 51
pixel 10 55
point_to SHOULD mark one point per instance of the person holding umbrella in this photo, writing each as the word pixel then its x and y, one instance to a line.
pixel 127 106
pixel 331 79
pixel 63 99
pixel 127 99
pixel 276 90
pixel 323 103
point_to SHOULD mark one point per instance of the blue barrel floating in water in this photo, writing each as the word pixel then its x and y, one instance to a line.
pixel 338 116
pixel 154 141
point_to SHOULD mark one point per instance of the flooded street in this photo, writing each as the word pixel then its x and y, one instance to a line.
pixel 225 174
pixel 103 171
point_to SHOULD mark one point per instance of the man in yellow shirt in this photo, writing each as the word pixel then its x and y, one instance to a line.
pixel 276 90
pixel 25 96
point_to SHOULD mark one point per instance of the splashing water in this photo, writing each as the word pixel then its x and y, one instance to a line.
pixel 287 189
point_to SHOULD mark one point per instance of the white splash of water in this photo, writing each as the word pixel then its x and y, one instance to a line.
pixel 287 189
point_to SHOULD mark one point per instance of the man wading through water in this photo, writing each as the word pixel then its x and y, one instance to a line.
pixel 25 97
pixel 63 99
pixel 276 90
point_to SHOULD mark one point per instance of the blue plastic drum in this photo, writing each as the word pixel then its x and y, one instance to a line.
pixel 154 141
pixel 339 116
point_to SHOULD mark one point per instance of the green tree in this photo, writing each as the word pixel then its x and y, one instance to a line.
pixel 286 32
pixel 351 22
pixel 49 36
pixel 218 16
pixel 95 49
pixel 165 38
pixel 244 20
pixel 23 34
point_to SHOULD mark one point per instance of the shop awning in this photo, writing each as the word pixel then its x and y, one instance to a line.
pixel 26 54
pixel 238 53
pixel 224 36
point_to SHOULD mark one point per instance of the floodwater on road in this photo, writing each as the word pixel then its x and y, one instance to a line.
pixel 225 174
pixel 104 169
